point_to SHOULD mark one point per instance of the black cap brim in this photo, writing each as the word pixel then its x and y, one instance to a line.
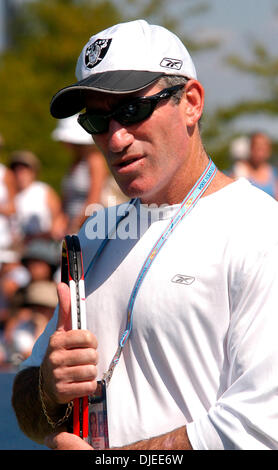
pixel 70 100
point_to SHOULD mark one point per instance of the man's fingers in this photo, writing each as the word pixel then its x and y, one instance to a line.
pixel 72 339
pixel 64 313
pixel 74 357
pixel 75 374
pixel 68 391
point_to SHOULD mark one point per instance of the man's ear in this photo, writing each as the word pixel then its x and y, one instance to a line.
pixel 194 94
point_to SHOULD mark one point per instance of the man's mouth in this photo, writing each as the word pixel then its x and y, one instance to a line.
pixel 127 163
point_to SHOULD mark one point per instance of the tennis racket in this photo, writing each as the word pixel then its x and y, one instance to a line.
pixel 72 274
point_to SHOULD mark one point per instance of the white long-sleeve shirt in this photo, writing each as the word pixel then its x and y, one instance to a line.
pixel 203 351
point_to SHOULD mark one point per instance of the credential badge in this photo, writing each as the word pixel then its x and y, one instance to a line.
pixel 95 52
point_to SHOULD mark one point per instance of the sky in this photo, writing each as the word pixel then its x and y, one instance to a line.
pixel 237 23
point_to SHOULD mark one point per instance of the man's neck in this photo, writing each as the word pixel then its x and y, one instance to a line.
pixel 181 183
pixel 185 182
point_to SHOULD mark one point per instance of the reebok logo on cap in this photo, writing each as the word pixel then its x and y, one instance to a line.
pixel 171 63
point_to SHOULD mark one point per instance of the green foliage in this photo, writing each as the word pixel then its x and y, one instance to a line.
pixel 219 130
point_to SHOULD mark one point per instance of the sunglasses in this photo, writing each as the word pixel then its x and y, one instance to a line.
pixel 128 113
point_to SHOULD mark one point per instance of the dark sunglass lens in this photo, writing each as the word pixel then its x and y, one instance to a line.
pixel 99 123
pixel 134 112
pixel 93 123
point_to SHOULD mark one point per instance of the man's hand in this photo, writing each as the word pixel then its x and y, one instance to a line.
pixel 174 440
pixel 66 441
pixel 68 372
pixel 69 367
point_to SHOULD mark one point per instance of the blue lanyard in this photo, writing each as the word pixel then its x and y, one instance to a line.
pixel 185 208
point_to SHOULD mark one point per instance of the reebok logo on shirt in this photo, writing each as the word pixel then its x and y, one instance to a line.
pixel 183 279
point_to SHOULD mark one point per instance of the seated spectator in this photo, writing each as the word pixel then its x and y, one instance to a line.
pixel 38 207
pixel 13 276
pixel 32 309
pixel 41 257
pixel 20 279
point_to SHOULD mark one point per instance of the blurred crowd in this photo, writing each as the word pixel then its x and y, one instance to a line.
pixel 34 218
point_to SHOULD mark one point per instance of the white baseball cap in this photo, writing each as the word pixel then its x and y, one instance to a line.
pixel 68 130
pixel 240 148
pixel 122 59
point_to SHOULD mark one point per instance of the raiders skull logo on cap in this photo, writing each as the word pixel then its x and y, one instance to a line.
pixel 96 52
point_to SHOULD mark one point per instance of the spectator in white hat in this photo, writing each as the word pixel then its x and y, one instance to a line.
pixel 83 183
pixel 239 153
pixel 182 319
pixel 87 180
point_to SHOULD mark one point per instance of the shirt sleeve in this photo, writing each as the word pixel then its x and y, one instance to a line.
pixel 245 414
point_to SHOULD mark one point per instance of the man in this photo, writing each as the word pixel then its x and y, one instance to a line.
pixel 182 318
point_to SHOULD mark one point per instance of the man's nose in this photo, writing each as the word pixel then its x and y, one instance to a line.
pixel 119 137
